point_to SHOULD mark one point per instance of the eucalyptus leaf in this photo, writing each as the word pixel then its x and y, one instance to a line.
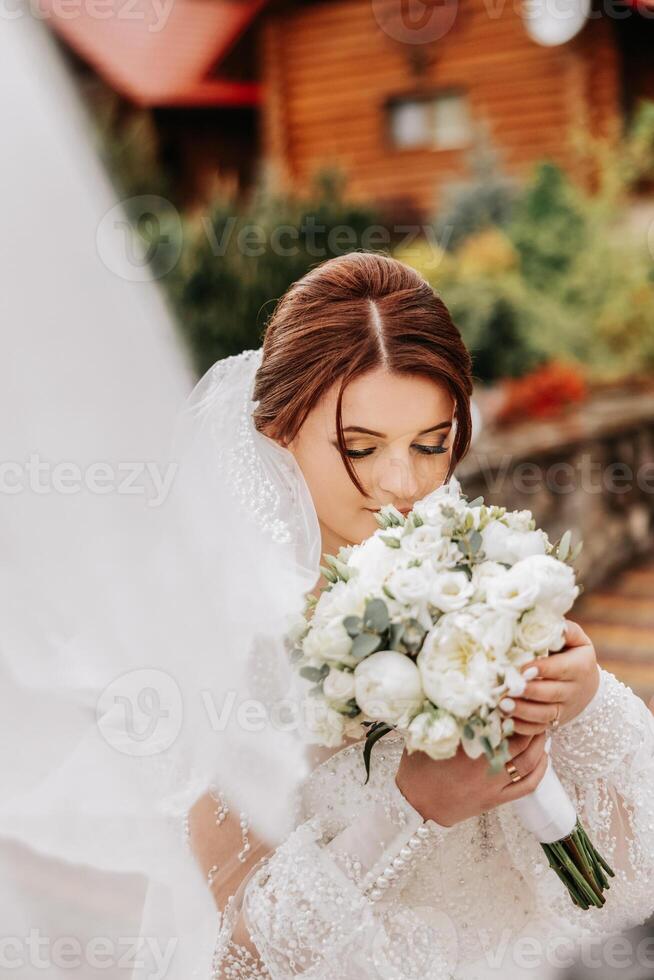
pixel 564 546
pixel 576 551
pixel 390 540
pixel 365 644
pixel 314 673
pixel 475 542
pixel 353 625
pixel 375 616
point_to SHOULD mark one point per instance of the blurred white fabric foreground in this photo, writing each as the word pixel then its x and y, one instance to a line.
pixel 90 373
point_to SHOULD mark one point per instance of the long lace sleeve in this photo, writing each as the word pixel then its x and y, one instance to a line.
pixel 325 903
pixel 605 757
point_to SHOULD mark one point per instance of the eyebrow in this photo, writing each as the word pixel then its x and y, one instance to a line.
pixel 371 432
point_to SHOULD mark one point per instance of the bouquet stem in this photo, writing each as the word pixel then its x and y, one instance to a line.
pixel 549 814
pixel 581 868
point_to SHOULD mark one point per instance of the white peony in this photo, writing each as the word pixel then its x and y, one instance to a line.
pixel 450 591
pixel 555 581
pixel 493 629
pixel 455 670
pixel 501 543
pixel 387 687
pixel 436 733
pixel 338 685
pixel 540 629
pixel 511 592
pixel 330 643
pixel 481 574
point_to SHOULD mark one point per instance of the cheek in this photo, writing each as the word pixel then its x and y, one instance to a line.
pixel 336 499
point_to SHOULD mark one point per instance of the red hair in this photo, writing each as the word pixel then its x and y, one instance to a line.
pixel 347 316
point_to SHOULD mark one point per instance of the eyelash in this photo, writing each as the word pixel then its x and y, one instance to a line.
pixel 424 450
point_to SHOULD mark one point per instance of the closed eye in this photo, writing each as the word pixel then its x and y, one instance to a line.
pixel 424 450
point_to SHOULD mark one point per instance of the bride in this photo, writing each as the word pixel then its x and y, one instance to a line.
pixel 359 397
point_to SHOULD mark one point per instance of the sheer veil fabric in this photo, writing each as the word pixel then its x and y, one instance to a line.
pixel 143 587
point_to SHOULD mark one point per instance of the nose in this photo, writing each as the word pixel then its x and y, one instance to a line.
pixel 396 477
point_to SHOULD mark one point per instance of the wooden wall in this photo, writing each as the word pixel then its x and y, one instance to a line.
pixel 328 69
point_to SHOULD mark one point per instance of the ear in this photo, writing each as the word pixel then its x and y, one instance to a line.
pixel 269 431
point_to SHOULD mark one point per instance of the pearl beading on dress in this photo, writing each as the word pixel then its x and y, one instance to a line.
pixel 405 861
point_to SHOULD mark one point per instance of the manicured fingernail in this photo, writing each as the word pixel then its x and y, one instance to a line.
pixel 530 673
pixel 507 704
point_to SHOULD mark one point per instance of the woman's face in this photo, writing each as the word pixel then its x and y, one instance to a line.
pixel 397 433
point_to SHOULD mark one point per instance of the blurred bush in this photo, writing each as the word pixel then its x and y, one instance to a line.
pixel 558 274
pixel 238 259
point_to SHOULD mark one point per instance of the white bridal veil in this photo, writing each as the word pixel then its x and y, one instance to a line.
pixel 145 584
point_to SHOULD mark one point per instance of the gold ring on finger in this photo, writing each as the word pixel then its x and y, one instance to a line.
pixel 513 772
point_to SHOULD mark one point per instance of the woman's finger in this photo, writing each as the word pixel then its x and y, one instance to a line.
pixel 564 666
pixel 528 727
pixel 535 712
pixel 574 634
pixel 546 690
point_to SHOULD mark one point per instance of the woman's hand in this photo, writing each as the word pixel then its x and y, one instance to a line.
pixel 451 790
pixel 565 684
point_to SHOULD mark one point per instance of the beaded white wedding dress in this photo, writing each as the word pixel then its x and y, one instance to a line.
pixel 364 889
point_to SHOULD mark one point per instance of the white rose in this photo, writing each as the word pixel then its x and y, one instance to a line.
pixel 330 643
pixel 540 629
pixel 387 687
pixel 450 591
pixel 481 574
pixel 501 543
pixel 422 541
pixel 436 733
pixel 511 592
pixel 519 520
pixel 456 673
pixel 343 599
pixel 373 560
pixel 555 581
pixel 429 508
pixel 321 724
pixel 338 685
pixel 410 585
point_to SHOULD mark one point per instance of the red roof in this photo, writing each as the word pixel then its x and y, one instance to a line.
pixel 159 52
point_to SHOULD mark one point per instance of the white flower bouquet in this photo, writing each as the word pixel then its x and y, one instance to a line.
pixel 422 629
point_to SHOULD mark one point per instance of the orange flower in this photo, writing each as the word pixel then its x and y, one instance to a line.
pixel 543 393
